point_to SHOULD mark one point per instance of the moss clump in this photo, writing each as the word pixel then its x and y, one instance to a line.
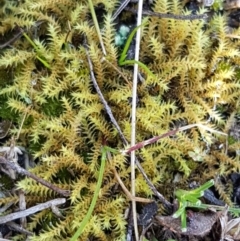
pixel 194 65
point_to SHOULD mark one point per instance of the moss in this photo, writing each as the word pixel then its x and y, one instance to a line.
pixel 6 183
pixel 218 5
pixel 5 112
pixel 52 107
pixel 195 77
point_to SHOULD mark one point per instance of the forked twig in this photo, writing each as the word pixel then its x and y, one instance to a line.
pixel 128 194
pixel 31 210
pixel 22 171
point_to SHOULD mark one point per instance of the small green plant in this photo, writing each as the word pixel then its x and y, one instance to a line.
pixel 123 61
pixel 191 199
pixel 186 197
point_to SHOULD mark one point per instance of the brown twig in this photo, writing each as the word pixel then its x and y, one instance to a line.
pixel 123 76
pixel 108 109
pixel 162 199
pixel 128 194
pixel 152 140
pixel 34 209
pixel 22 171
pixel 12 40
pixel 18 228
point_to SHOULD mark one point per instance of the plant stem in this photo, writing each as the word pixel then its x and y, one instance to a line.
pixel 96 25
pixel 95 196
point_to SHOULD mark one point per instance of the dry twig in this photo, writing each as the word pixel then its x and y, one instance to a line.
pixel 34 209
pixel 133 114
pixel 24 172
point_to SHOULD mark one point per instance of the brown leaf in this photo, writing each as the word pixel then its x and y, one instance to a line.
pixel 198 223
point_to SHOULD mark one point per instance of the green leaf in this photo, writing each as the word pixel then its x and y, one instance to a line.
pixel 122 60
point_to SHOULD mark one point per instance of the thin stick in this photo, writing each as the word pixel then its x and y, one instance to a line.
pixel 128 194
pixel 22 171
pixel 154 139
pixel 120 9
pixel 165 202
pixel 19 35
pixel 29 211
pixel 233 36
pixel 108 109
pixel 18 228
pixel 12 40
pixel 22 122
pixel 133 114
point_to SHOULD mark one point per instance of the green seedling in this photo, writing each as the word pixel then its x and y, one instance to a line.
pixel 123 61
pixel 190 198
pixel 105 150
pixel 193 195
pixel 186 197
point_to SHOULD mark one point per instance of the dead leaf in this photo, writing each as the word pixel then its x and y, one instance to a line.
pixel 198 223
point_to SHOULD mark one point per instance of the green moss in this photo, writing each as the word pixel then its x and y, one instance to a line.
pixel 52 107
pixel 5 112
pixel 231 140
pixel 193 77
pixel 6 183
pixel 218 5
